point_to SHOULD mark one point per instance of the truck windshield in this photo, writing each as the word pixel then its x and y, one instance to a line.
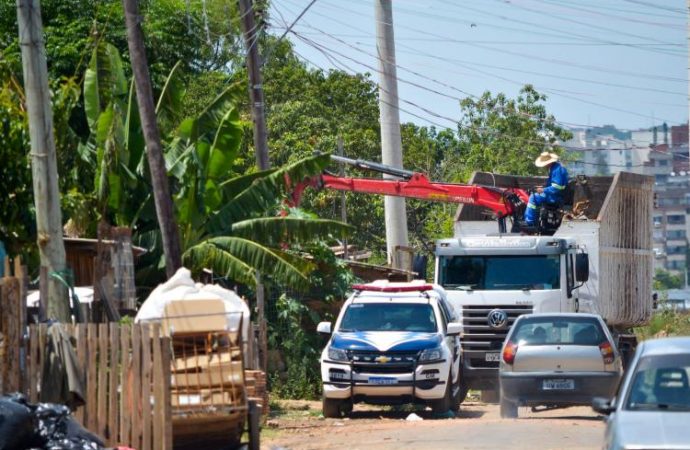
pixel 389 317
pixel 500 272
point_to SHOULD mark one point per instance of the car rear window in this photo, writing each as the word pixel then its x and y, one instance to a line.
pixel 661 383
pixel 551 330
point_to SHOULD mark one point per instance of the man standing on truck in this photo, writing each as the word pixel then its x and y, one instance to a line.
pixel 552 192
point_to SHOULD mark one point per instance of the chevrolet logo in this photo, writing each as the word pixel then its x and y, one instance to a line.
pixel 382 359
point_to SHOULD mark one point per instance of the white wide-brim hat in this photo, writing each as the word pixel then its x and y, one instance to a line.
pixel 545 159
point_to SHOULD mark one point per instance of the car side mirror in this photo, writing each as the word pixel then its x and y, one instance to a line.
pixel 454 329
pixel 581 267
pixel 324 328
pixel 602 405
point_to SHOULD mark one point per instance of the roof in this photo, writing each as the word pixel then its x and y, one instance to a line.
pixel 559 314
pixel 665 346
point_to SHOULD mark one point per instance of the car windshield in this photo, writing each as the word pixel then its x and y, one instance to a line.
pixel 660 383
pixel 501 272
pixel 389 317
pixel 555 330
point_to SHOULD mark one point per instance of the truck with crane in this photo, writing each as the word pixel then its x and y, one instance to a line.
pixel 591 253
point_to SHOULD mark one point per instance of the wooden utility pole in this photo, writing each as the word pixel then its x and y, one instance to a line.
pixel 256 90
pixel 391 142
pixel 43 158
pixel 154 150
pixel 256 97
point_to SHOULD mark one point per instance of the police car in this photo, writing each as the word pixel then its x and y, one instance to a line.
pixel 392 343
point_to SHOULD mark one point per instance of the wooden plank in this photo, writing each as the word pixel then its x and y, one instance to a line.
pixel 33 363
pixel 102 388
pixel 165 395
pixel 147 364
pixel 80 334
pixel 136 387
pixel 113 382
pixel 158 394
pixel 125 395
pixel 92 377
pixel 42 333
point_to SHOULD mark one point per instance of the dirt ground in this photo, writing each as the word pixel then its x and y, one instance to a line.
pixel 299 425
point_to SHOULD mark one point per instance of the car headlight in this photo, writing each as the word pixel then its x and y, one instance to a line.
pixel 431 354
pixel 335 354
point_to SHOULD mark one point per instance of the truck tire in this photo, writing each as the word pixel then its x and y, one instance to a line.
pixel 331 408
pixel 462 393
pixel 508 409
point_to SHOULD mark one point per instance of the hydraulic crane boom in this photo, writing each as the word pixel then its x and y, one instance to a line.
pixel 504 202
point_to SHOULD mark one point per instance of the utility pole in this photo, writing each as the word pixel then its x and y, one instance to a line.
pixel 688 6
pixel 343 206
pixel 154 151
pixel 43 158
pixel 256 97
pixel 391 143
pixel 256 90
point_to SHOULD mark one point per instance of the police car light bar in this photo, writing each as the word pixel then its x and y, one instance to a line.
pixel 409 288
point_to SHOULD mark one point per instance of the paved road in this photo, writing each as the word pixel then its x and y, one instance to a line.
pixel 477 426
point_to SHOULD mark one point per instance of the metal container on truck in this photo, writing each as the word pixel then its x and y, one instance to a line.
pixel 491 278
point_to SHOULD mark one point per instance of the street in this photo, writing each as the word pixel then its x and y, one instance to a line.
pixel 477 426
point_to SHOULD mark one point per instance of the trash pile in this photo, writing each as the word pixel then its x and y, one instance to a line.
pixel 43 426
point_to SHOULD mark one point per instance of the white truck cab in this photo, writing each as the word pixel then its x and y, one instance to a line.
pixel 392 343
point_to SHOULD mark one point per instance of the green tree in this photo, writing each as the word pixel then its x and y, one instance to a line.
pixel 503 135
pixel 663 279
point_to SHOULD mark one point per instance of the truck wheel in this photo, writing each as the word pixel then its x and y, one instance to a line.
pixel 331 408
pixel 462 393
pixel 508 409
pixel 446 403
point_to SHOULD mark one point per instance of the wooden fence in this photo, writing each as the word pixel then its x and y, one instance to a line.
pixel 12 318
pixel 126 382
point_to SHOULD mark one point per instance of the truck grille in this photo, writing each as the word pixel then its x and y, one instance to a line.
pixel 393 362
pixel 479 338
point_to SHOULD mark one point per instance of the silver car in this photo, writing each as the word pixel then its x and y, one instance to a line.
pixel 556 360
pixel 652 408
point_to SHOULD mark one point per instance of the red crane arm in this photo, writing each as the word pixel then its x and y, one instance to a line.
pixel 419 186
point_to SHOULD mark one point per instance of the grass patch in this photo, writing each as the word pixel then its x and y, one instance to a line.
pixel 665 323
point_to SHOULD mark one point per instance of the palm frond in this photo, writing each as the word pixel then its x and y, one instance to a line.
pixel 262 259
pixel 274 231
pixel 207 255
pixel 265 192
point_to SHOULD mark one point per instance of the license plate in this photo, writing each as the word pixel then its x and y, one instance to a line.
pixel 493 357
pixel 559 384
pixel 382 380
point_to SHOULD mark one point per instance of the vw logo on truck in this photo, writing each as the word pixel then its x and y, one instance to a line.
pixel 497 319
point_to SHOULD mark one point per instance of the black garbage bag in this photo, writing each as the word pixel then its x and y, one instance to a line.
pixel 58 429
pixel 16 423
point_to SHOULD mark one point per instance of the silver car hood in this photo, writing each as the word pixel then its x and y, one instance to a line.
pixel 652 429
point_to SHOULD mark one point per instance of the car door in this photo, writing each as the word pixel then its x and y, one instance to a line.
pixel 453 342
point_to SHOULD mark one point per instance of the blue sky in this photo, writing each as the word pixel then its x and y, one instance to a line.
pixel 621 62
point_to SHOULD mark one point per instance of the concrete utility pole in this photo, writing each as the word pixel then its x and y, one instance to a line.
pixel 43 159
pixel 688 6
pixel 391 143
pixel 154 151
pixel 256 96
pixel 256 90
pixel 343 203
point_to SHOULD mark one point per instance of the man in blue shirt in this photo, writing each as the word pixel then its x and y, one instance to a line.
pixel 552 192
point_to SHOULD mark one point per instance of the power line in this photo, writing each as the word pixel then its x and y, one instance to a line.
pixel 444 38
pixel 552 91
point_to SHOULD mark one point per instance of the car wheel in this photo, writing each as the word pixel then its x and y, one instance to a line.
pixel 446 403
pixel 509 409
pixel 331 408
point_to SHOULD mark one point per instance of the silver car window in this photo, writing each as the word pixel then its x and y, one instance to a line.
pixel 558 331
pixel 660 383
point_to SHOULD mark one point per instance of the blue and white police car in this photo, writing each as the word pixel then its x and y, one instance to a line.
pixel 392 343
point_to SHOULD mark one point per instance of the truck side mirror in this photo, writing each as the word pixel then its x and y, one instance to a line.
pixel 581 267
pixel 324 328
